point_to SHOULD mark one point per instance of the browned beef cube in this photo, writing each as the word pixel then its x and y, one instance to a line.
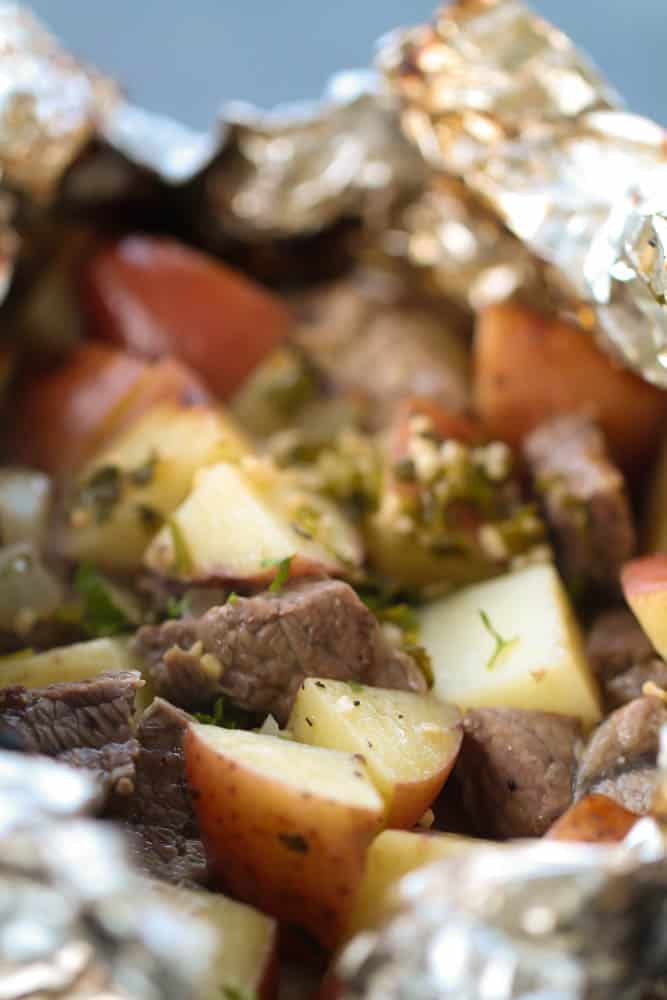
pixel 257 650
pixel 515 770
pixel 584 499
pixel 84 723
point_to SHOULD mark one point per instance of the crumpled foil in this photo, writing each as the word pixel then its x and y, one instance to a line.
pixel 501 101
pixel 538 921
pixel 75 920
pixel 50 105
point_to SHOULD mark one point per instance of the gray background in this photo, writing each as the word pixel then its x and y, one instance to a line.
pixel 184 57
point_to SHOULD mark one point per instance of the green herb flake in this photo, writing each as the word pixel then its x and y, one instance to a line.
pixel 236 993
pixel 233 598
pixel 102 617
pixel 102 491
pixel 218 717
pixel 355 685
pixel 182 563
pixel 151 519
pixel 501 644
pixel 144 474
pixel 294 842
pixel 178 607
pixel 282 567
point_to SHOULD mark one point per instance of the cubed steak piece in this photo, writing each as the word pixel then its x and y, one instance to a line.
pixel 621 655
pixel 159 817
pixel 257 650
pixel 382 349
pixel 584 499
pixel 84 723
pixel 620 760
pixel 515 770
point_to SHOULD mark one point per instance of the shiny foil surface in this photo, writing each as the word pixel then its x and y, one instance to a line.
pixel 502 101
pixel 539 921
pixel 75 920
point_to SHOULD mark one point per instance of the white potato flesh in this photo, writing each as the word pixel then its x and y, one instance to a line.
pixel 237 523
pixel 409 741
pixel 178 440
pixel 392 855
pixel 338 777
pixel 78 662
pixel 246 941
pixel 286 826
pixel 541 664
pixel 82 661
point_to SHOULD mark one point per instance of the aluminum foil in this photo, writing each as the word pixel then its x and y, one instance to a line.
pixel 75 920
pixel 504 103
pixel 540 921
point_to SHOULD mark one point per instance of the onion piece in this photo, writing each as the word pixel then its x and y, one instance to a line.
pixel 29 592
pixel 25 500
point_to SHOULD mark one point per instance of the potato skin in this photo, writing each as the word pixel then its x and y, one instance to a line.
pixel 293 855
pixel 595 819
pixel 155 296
pixel 529 367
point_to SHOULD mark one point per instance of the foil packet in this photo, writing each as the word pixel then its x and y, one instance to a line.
pixel 501 101
pixel 533 920
pixel 75 920
pixel 538 921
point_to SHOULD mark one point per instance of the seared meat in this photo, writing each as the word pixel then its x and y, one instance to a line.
pixel 620 653
pixel 584 498
pixel 515 770
pixel 258 650
pixel 160 820
pixel 86 723
pixel 381 349
pixel 621 756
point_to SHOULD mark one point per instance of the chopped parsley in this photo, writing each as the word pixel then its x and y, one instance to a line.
pixel 177 607
pixel 102 615
pixel 218 717
pixel 294 842
pixel 182 563
pixel 355 685
pixel 236 993
pixel 101 492
pixel 282 567
pixel 227 716
pixel 501 643
pixel 233 598
pixel 150 518
pixel 144 474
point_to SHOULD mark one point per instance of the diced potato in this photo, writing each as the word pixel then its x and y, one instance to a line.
pixel 64 664
pixel 153 462
pixel 286 826
pixel 245 963
pixel 530 367
pixel 239 522
pixel 392 855
pixel 513 642
pixel 644 583
pixel 155 296
pixel 409 741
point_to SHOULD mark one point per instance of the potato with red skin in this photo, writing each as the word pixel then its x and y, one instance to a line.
pixel 529 367
pixel 644 583
pixel 156 297
pixel 64 414
pixel 286 826
pixel 595 819
pixel 410 741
